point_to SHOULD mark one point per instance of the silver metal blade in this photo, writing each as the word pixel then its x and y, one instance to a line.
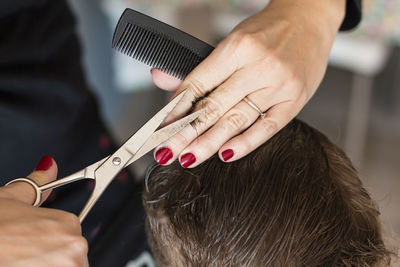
pixel 106 172
pixel 136 141
pixel 165 133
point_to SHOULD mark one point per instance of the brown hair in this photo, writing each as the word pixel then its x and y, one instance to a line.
pixel 295 201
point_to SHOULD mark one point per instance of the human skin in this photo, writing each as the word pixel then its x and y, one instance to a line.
pixel 32 236
pixel 277 58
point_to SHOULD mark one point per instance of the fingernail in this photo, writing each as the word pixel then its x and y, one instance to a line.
pixel 227 154
pixel 44 164
pixel 163 155
pixel 187 159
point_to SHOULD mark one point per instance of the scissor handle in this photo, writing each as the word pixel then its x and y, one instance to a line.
pixel 36 187
pixel 39 189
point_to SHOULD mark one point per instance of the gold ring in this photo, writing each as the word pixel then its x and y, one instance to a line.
pixel 254 106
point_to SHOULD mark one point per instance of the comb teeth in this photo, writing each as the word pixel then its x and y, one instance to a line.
pixel 158 44
pixel 157 51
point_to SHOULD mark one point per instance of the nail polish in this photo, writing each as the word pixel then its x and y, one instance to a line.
pixel 44 164
pixel 187 159
pixel 163 155
pixel 227 154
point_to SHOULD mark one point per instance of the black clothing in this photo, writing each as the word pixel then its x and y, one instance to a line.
pixel 46 108
pixel 353 15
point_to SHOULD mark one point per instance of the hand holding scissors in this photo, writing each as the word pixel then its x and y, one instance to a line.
pixel 105 170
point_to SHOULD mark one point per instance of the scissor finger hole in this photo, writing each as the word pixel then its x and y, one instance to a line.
pixel 35 186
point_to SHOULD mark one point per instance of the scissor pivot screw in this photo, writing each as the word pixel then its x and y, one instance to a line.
pixel 116 161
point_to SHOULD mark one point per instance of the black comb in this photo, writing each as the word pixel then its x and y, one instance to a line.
pixel 158 44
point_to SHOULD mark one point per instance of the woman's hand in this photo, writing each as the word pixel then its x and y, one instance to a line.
pixel 32 236
pixel 277 58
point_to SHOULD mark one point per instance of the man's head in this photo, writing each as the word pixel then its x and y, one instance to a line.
pixel 295 201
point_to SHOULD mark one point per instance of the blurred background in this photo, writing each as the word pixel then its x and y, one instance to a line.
pixel 357 104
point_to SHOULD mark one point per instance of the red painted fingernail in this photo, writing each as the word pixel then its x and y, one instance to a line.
pixel 187 160
pixel 227 154
pixel 163 155
pixel 44 164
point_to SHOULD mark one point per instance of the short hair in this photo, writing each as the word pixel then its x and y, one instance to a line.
pixel 295 201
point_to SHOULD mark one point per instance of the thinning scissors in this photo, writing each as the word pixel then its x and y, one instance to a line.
pixel 104 171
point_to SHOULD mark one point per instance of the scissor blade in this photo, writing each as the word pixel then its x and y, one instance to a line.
pixel 157 138
pixel 106 172
pixel 165 133
pixel 135 142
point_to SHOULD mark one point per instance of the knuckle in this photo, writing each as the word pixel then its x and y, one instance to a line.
pixel 292 86
pixel 196 87
pixel 198 124
pixel 179 141
pixel 213 110
pixel 269 126
pixel 235 38
pixel 270 61
pixel 236 121
pixel 72 219
pixel 244 39
pixel 242 43
pixel 71 261
pixel 79 244
pixel 296 79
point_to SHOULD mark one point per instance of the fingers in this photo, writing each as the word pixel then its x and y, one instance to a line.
pixel 216 104
pixel 262 130
pixel 192 151
pixel 46 171
pixel 236 120
pixel 227 118
pixel 227 135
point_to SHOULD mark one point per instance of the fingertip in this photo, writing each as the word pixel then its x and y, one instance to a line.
pixel 45 163
pixel 165 81
pixel 45 171
pixel 163 155
pixel 227 155
pixel 188 160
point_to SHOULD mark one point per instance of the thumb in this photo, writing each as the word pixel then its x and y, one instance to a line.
pixel 165 81
pixel 45 172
